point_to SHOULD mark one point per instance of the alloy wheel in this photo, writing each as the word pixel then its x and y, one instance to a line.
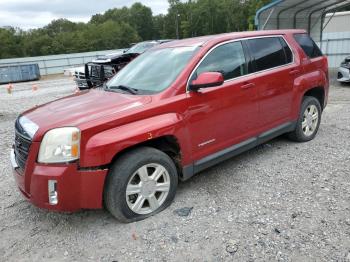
pixel 310 120
pixel 148 188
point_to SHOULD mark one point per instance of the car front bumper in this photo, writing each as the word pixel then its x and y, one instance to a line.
pixel 343 74
pixel 75 188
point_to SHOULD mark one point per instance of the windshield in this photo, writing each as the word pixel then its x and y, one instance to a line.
pixel 141 47
pixel 153 71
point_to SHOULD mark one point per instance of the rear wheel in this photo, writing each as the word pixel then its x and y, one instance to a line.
pixel 309 120
pixel 140 184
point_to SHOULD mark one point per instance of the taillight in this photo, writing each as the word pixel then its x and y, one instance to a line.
pixel 326 68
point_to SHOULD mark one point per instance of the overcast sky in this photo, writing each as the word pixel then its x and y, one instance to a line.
pixel 37 13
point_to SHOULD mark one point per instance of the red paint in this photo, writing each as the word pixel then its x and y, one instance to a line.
pixel 208 79
pixel 112 122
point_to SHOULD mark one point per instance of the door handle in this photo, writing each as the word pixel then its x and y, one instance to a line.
pixel 294 71
pixel 247 85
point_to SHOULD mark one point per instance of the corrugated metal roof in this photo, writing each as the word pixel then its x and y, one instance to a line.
pixel 345 13
pixel 301 14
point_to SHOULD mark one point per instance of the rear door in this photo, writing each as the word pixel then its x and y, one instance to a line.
pixel 274 77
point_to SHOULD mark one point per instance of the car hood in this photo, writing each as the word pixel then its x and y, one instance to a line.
pixel 83 107
pixel 114 58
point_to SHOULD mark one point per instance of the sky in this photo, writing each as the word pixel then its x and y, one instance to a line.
pixel 28 14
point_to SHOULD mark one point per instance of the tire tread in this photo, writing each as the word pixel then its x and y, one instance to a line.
pixel 297 135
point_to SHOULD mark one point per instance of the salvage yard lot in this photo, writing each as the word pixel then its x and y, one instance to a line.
pixel 280 201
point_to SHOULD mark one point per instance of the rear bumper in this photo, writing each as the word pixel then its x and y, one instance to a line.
pixel 343 74
pixel 76 189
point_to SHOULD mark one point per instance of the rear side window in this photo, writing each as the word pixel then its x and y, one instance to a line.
pixel 287 51
pixel 268 52
pixel 308 45
pixel 227 59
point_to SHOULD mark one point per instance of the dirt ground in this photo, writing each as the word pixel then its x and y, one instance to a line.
pixel 281 201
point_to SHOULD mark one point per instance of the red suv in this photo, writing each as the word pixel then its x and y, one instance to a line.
pixel 175 110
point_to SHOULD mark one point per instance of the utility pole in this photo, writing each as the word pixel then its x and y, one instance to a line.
pixel 177 25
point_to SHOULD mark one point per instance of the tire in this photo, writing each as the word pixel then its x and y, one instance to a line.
pixel 300 134
pixel 135 171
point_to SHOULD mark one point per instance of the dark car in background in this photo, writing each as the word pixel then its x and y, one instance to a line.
pixel 100 70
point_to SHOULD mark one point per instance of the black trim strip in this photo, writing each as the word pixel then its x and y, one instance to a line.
pixel 223 155
pixel 277 131
pixel 213 159
pixel 94 168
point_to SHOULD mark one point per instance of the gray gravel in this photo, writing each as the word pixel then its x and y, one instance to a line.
pixel 282 201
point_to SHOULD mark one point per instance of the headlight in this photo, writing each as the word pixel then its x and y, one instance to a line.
pixel 60 145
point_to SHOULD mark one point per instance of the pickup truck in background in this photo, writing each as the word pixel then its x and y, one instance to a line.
pixel 100 70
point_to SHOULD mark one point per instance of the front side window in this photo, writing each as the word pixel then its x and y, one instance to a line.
pixel 227 59
pixel 308 45
pixel 267 52
pixel 153 71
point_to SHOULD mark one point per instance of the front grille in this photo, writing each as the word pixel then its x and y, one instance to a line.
pixel 81 83
pixel 79 75
pixel 21 145
pixel 100 73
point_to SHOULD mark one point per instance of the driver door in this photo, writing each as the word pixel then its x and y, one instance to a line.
pixel 222 116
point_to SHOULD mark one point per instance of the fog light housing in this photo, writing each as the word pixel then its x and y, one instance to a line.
pixel 53 195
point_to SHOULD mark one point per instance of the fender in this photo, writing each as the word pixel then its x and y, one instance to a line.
pixel 101 148
pixel 304 83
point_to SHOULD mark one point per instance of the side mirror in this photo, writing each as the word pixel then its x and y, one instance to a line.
pixel 207 79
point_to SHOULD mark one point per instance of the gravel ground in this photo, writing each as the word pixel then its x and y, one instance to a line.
pixel 282 201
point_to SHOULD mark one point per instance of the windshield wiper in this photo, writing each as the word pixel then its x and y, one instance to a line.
pixel 128 89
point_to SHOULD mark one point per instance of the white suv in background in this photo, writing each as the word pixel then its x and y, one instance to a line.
pixel 344 71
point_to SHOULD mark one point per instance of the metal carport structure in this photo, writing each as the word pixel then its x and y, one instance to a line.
pixel 303 14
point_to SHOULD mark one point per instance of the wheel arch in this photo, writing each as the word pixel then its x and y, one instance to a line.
pixel 318 93
pixel 164 132
pixel 168 144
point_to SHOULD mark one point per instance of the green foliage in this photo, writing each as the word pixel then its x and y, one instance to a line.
pixel 10 43
pixel 253 6
pixel 118 27
pixel 141 20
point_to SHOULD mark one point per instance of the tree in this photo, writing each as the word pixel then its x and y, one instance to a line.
pixel 109 35
pixel 62 26
pixel 8 43
pixel 118 27
pixel 159 27
pixel 141 20
pixel 253 6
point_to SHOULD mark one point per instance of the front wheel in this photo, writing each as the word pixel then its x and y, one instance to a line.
pixel 140 184
pixel 309 120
